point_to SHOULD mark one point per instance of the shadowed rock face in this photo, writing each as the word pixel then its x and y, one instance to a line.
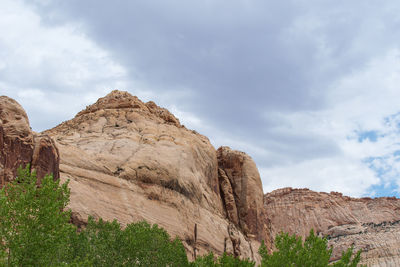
pixel 129 160
pixel 372 225
pixel 242 191
pixel 20 146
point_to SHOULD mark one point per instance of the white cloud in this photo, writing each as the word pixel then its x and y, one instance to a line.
pixel 51 70
pixel 331 72
pixel 346 175
pixel 357 103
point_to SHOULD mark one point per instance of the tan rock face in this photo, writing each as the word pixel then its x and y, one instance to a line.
pixel 372 225
pixel 19 146
pixel 129 160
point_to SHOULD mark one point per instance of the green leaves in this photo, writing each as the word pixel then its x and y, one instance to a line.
pixel 314 252
pixel 224 261
pixel 139 244
pixel 348 260
pixel 34 228
pixel 35 231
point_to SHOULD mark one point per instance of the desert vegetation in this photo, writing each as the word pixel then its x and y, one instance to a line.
pixel 35 230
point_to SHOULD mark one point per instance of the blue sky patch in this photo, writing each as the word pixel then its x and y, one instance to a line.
pixel 370 135
pixel 383 190
pixel 387 186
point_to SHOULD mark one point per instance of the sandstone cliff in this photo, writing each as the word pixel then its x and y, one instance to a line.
pixel 129 160
pixel 20 146
pixel 372 225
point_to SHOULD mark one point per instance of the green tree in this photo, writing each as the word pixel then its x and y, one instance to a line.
pixel 225 260
pixel 34 226
pixel 139 244
pixel 35 231
pixel 291 251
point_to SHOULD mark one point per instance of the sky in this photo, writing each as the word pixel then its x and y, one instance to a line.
pixel 309 89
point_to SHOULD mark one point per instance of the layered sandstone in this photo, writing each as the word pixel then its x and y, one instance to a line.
pixel 19 146
pixel 131 161
pixel 372 225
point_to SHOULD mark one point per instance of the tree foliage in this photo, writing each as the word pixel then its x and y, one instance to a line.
pixel 209 260
pixel 35 230
pixel 139 244
pixel 314 251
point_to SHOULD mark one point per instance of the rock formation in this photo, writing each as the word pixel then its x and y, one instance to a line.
pixel 132 161
pixel 372 225
pixel 242 191
pixel 129 160
pixel 20 146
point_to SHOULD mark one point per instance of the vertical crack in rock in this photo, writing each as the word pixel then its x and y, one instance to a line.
pixel 195 242
pixel 227 197
pixel 235 239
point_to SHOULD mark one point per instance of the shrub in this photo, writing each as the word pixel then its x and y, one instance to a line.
pixel 139 244
pixel 34 228
pixel 35 231
pixel 291 251
pixel 225 260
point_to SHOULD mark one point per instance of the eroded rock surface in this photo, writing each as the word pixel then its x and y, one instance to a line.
pixel 372 225
pixel 20 146
pixel 129 160
pixel 242 191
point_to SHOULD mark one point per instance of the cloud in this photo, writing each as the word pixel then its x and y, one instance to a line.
pixel 363 122
pixel 302 86
pixel 48 69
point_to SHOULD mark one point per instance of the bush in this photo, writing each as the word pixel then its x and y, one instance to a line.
pixel 139 244
pixel 34 228
pixel 224 261
pixel 35 231
pixel 291 251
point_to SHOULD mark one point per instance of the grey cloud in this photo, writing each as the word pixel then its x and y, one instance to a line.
pixel 239 58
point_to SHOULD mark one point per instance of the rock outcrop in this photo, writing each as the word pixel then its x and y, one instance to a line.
pixel 242 191
pixel 132 161
pixel 372 225
pixel 129 160
pixel 20 146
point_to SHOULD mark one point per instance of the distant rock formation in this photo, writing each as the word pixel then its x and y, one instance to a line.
pixel 372 225
pixel 20 146
pixel 132 161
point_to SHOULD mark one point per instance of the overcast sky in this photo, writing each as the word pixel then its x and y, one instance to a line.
pixel 309 89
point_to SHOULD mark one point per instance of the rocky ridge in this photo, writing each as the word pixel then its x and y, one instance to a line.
pixel 129 160
pixel 372 225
